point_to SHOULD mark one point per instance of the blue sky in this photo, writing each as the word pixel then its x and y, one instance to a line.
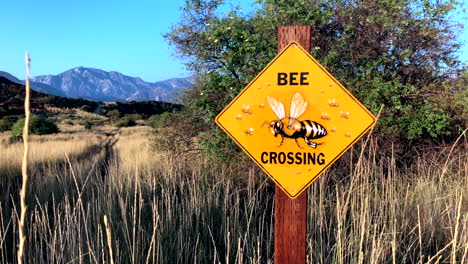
pixel 123 36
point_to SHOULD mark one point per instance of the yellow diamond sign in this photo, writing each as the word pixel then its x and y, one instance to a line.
pixel 295 119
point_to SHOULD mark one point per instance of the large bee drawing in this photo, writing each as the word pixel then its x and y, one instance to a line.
pixel 291 127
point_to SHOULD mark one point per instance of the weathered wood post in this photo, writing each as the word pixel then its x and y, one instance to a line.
pixel 291 214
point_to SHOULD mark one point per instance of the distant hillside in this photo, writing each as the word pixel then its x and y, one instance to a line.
pixel 12 99
pixel 99 85
pixel 12 102
pixel 10 77
pixel 36 86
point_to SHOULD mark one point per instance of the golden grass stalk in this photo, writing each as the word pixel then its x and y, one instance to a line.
pixel 24 167
pixel 455 236
pixel 444 170
pixel 153 237
pixel 109 239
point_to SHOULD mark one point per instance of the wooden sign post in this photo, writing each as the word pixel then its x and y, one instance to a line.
pixel 291 214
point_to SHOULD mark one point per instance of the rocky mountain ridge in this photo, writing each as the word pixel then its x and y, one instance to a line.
pixel 99 85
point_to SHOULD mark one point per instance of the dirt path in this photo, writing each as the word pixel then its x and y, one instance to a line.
pixel 110 152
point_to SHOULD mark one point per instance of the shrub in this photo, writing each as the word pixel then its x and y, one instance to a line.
pixel 37 126
pixel 114 114
pixel 88 125
pixel 137 116
pixel 177 132
pixel 159 121
pixel 87 108
pixel 3 111
pixel 125 122
pixel 7 122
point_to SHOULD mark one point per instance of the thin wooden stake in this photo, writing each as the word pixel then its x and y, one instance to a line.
pixel 291 215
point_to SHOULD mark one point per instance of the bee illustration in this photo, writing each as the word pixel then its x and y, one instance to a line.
pixel 291 127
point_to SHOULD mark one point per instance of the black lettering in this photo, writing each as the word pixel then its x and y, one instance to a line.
pixel 273 156
pixel 298 158
pixel 304 78
pixel 292 78
pixel 290 158
pixel 310 158
pixel 282 78
pixel 321 159
pixel 281 158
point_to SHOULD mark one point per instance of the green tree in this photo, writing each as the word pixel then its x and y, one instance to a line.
pixel 393 53
pixel 159 121
pixel 7 122
pixel 454 99
pixel 126 121
pixel 37 126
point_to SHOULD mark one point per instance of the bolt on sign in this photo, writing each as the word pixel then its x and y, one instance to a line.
pixel 295 119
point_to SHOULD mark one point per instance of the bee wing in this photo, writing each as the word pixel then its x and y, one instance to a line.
pixel 277 107
pixel 298 107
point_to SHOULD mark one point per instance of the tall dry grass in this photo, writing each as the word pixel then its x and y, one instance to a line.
pixel 162 208
pixel 24 167
pixel 76 112
pixel 46 149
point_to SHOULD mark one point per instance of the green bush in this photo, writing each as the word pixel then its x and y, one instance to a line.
pixel 88 125
pixel 125 122
pixel 87 108
pixel 7 122
pixel 137 116
pixel 114 114
pixel 178 133
pixel 37 126
pixel 159 121
pixel 3 111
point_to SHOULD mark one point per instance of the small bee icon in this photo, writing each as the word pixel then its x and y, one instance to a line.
pixel 291 127
pixel 333 103
pixel 249 131
pixel 325 116
pixel 246 109
pixel 345 114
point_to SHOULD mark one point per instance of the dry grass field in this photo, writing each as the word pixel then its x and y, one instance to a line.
pixel 165 208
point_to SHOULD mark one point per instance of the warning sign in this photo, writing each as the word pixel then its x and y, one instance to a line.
pixel 295 119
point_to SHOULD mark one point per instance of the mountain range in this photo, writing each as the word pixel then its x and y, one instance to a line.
pixel 12 95
pixel 99 85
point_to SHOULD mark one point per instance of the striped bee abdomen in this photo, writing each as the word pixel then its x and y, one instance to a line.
pixel 313 129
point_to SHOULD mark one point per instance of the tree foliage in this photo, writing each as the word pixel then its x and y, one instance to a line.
pixel 160 121
pixel 399 54
pixel 88 125
pixel 37 126
pixel 7 122
pixel 125 121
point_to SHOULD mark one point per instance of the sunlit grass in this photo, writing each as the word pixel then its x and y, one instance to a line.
pixel 74 112
pixel 47 148
pixel 165 208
